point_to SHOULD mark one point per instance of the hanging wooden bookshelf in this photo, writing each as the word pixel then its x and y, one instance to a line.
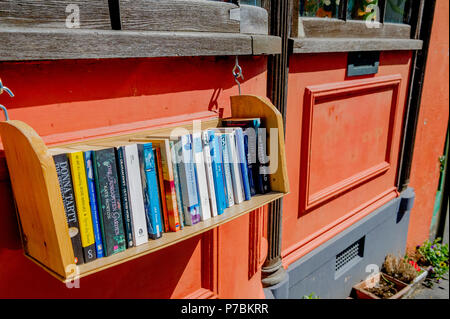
pixel 41 215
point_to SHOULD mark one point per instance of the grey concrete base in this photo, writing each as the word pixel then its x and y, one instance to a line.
pixel 278 291
pixel 382 232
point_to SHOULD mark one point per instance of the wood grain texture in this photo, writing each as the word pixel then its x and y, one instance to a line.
pixel 51 44
pixel 246 106
pixel 94 14
pixel 319 45
pixel 36 189
pixel 177 15
pixel 335 28
pixel 54 44
pixel 254 20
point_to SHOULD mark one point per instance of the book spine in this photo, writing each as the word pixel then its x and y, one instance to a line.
pixel 169 186
pixel 250 128
pixel 93 203
pixel 240 146
pixel 78 170
pixel 136 199
pixel 124 196
pixel 250 165
pixel 227 170
pixel 176 179
pixel 162 192
pixel 217 170
pixel 201 176
pixel 209 173
pixel 264 181
pixel 236 177
pixel 188 182
pixel 108 199
pixel 68 197
pixel 152 190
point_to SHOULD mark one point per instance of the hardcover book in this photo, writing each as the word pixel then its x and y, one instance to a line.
pixel 76 160
pixel 136 198
pixel 188 182
pixel 108 199
pixel 209 173
pixel 162 193
pixel 120 158
pixel 150 190
pixel 217 170
pixel 93 203
pixel 68 197
pixel 202 184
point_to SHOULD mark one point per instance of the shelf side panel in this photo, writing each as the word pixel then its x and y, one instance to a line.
pixel 250 106
pixel 36 189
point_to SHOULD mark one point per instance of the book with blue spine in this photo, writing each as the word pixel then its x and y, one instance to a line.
pixel 240 146
pixel 150 190
pixel 188 182
pixel 93 202
pixel 255 150
pixel 209 172
pixel 227 169
pixel 217 171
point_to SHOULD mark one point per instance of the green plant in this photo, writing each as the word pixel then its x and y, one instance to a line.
pixel 434 254
pixel 311 296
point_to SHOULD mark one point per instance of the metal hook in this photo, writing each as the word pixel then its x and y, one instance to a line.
pixel 11 94
pixel 237 75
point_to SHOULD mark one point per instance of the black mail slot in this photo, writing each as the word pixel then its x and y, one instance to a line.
pixel 363 63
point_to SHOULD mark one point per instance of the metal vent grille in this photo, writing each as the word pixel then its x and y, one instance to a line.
pixel 352 252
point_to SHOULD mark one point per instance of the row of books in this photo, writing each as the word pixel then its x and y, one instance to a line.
pixel 122 196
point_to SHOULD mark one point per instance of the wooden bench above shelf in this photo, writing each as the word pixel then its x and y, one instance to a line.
pixel 41 215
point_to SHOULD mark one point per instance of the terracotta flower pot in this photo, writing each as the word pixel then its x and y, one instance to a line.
pixel 361 291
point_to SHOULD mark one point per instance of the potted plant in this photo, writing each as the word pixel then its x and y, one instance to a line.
pixel 432 256
pixel 380 286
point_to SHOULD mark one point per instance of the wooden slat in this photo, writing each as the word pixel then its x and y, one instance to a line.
pixel 321 45
pixel 51 44
pixel 335 28
pixel 177 15
pixel 94 14
pixel 266 44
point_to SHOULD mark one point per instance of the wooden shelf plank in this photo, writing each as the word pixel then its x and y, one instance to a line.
pixel 172 238
pixel 52 44
pixel 321 45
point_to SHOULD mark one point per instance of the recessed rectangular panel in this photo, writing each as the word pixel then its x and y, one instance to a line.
pixel 348 129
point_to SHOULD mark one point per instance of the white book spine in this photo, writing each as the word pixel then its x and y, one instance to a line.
pixel 235 170
pixel 201 176
pixel 227 169
pixel 209 173
pixel 136 198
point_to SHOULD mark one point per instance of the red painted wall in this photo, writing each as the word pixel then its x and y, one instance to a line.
pixel 431 128
pixel 69 100
pixel 342 145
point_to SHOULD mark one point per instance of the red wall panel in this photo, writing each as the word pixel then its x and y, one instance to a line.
pixel 342 142
pixel 69 100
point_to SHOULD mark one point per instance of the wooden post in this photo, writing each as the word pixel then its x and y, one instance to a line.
pixel 272 270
